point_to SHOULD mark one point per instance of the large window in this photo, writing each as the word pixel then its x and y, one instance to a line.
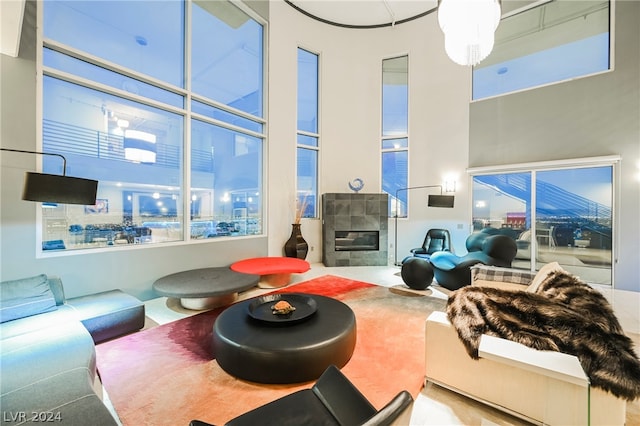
pixel 307 134
pixel 167 116
pixel 552 42
pixel 395 129
pixel 562 214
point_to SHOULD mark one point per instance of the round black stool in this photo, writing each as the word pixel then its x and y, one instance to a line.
pixel 264 352
pixel 417 273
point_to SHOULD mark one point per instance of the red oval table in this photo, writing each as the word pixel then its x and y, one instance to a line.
pixel 274 271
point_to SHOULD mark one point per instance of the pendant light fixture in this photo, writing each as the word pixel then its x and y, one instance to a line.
pixel 139 147
pixel 469 28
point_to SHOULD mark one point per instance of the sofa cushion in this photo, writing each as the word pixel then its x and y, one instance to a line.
pixel 58 318
pixel 444 260
pixel 57 289
pixel 52 371
pixel 25 297
pixel 48 352
pixel 542 275
pixel 108 314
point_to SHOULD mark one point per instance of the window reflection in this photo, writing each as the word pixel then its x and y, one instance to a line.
pixel 571 221
pixel 552 42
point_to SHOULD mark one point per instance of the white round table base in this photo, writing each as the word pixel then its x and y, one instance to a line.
pixel 274 280
pixel 204 303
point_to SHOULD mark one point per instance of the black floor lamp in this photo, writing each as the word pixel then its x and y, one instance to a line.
pixel 433 201
pixel 61 189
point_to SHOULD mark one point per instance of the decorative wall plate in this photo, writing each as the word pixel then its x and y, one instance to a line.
pixel 356 185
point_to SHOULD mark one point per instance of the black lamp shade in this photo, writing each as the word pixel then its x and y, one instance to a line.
pixel 441 201
pixel 59 189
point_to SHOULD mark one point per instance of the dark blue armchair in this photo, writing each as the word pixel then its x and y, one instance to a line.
pixel 453 272
pixel 435 240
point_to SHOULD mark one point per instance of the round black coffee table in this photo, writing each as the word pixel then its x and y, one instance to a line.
pixel 269 351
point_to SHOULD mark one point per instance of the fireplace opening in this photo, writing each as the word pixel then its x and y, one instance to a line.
pixel 357 240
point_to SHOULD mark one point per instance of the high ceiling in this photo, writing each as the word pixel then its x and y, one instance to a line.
pixel 354 13
pixel 342 12
pixel 365 12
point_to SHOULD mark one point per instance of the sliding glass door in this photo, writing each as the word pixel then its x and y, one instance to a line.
pixel 560 214
pixel 574 221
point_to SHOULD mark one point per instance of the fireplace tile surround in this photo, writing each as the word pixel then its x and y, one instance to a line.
pixel 354 212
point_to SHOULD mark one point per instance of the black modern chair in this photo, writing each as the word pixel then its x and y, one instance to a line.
pixel 333 400
pixel 453 272
pixel 435 240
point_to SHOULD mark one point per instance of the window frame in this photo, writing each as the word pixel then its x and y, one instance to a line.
pixel 185 112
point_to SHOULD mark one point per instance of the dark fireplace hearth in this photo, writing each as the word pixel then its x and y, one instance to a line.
pixel 357 240
pixel 354 229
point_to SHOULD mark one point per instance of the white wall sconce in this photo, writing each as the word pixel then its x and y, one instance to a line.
pixel 449 186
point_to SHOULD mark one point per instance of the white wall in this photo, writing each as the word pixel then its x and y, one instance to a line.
pixel 350 80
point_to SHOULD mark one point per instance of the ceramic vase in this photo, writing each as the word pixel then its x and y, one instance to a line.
pixel 296 246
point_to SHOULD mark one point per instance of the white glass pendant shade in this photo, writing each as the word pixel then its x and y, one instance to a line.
pixel 469 28
pixel 139 147
pixel 468 49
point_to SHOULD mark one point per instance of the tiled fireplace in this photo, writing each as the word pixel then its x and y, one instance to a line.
pixel 354 229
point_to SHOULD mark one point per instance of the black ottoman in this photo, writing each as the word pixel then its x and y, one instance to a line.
pixel 417 273
pixel 264 352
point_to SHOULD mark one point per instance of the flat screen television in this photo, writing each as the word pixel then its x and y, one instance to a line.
pixel 440 201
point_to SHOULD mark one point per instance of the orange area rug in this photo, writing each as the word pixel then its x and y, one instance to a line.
pixel 168 375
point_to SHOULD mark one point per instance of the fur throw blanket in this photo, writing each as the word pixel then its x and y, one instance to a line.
pixel 565 315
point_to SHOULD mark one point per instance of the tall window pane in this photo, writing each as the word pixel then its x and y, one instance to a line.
pixel 226 56
pixel 503 201
pixel 555 41
pixel 395 96
pixel 144 36
pixel 307 91
pixel 226 182
pixel 395 129
pixel 574 214
pixel 308 135
pixel 307 172
pixel 394 178
pixel 139 198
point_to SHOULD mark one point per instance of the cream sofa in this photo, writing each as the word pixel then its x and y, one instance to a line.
pixel 542 387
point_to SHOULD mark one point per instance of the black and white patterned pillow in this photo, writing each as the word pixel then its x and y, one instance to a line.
pixel 506 275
